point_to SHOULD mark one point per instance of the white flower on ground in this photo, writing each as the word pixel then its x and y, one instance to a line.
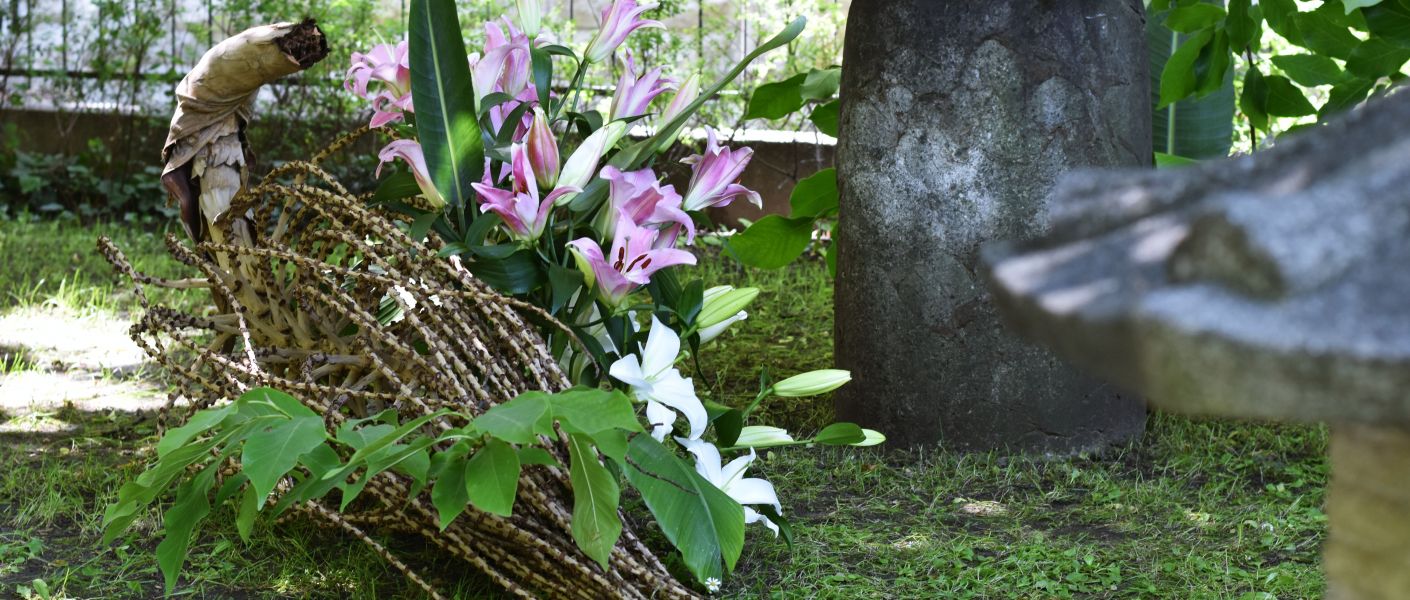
pixel 731 480
pixel 655 380
pixel 712 584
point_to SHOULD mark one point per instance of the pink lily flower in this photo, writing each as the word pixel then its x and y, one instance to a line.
pixel 524 214
pixel 410 151
pixel 618 21
pixel 634 94
pixel 542 148
pixel 640 197
pixel 389 65
pixel 504 67
pixel 715 180
pixel 632 260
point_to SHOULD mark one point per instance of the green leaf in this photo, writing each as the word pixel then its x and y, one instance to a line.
pixel 821 84
pixel 1240 25
pixel 1376 57
pixel 1166 161
pixel 1280 16
pixel 704 523
pixel 249 509
pixel 492 478
pixel 1254 100
pixel 1195 127
pixel 825 117
pixel 520 420
pixel 1346 95
pixel 1390 21
pixel 771 242
pixel 591 410
pixel 1309 69
pixel 518 273
pixel 1188 19
pixel 1355 4
pixel 1285 99
pixel 537 456
pixel 543 74
pixel 840 434
pixel 285 404
pixel 450 494
pixel 596 525
pixel 1325 36
pixel 564 283
pixel 815 195
pixel 728 426
pixel 397 186
pixel 445 101
pixel 777 100
pixel 269 454
pixel 199 423
pixel 190 508
pixel 1212 66
pixel 1177 79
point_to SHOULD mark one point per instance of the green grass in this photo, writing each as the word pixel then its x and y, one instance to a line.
pixel 1197 509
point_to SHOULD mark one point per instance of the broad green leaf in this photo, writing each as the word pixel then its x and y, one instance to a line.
pixel 269 454
pixel 872 438
pixel 1166 161
pixel 815 195
pixel 1390 21
pixel 840 434
pixel 1355 4
pixel 284 403
pixel 1325 36
pixel 1188 19
pixel 825 117
pixel 596 525
pixel 728 426
pixel 1309 69
pixel 777 100
pixel 1376 57
pixel 1241 25
pixel 1178 79
pixel 1212 65
pixel 564 282
pixel 190 508
pixel 1194 127
pixel 492 478
pixel 1280 16
pixel 821 84
pixel 704 524
pixel 537 456
pixel 520 420
pixel 1254 100
pixel 1346 95
pixel 771 242
pixel 199 423
pixel 518 273
pixel 397 186
pixel 445 101
pixel 1285 99
pixel 245 517
pixel 449 493
pixel 590 410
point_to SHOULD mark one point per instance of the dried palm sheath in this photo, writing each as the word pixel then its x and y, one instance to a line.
pixel 298 292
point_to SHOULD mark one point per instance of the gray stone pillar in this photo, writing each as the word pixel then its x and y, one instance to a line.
pixel 957 118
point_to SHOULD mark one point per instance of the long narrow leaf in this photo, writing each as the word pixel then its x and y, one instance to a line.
pixel 444 100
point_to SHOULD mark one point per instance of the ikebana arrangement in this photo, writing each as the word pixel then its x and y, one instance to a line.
pixel 485 350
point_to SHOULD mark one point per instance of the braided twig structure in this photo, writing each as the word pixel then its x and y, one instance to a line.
pixel 297 278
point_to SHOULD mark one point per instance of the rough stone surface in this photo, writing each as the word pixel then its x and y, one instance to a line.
pixel 1272 286
pixel 955 123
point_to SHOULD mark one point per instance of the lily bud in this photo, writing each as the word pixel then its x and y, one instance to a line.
pixel 542 150
pixel 722 303
pixel 762 436
pixel 530 16
pixel 812 383
pixel 688 91
pixel 580 167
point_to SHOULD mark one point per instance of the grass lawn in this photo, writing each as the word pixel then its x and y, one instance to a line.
pixel 1197 509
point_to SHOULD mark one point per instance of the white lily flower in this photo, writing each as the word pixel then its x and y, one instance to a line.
pixel 731 480
pixel 714 331
pixel 655 380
